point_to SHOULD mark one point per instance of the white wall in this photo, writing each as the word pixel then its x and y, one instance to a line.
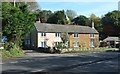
pixel 50 38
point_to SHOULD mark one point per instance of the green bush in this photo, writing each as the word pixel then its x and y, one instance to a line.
pixel 12 51
pixel 5 54
pixel 16 51
pixel 59 46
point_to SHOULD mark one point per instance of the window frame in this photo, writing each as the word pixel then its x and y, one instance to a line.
pixel 57 34
pixel 91 44
pixel 75 35
pixel 76 44
pixel 43 34
pixel 92 35
pixel 27 42
pixel 43 44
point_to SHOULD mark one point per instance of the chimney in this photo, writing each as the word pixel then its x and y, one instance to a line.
pixel 93 25
pixel 38 21
pixel 14 2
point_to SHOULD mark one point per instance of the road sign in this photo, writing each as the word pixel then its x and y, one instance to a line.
pixel 4 39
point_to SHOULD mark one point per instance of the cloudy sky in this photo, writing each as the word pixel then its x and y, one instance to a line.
pixel 81 7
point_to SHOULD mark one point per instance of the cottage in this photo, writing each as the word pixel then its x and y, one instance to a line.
pixel 48 35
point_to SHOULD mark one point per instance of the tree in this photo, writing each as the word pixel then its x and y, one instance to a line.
pixel 17 22
pixel 97 22
pixel 71 14
pixel 58 17
pixel 112 19
pixel 65 38
pixel 33 5
pixel 43 15
pixel 80 20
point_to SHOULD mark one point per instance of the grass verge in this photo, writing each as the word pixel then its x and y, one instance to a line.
pixel 89 50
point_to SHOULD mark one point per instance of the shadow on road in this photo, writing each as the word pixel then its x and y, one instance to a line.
pixel 59 64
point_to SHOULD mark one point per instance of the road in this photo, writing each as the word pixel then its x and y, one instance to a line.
pixel 72 62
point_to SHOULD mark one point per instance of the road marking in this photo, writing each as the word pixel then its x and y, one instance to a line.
pixel 37 70
pixel 14 62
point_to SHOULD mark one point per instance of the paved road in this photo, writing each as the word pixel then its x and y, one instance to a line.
pixel 74 62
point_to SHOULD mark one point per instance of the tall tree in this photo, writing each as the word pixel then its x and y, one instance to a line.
pixel 112 19
pixel 17 22
pixel 32 5
pixel 80 20
pixel 44 15
pixel 97 22
pixel 71 14
pixel 58 17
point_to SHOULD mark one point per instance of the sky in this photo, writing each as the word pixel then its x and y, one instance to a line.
pixel 99 8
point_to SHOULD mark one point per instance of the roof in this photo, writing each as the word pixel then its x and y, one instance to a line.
pixel 111 39
pixel 45 27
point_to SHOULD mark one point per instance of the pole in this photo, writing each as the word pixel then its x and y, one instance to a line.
pixel 14 3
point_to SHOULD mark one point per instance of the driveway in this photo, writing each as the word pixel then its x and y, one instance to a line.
pixel 72 62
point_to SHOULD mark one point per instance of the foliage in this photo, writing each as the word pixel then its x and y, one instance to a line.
pixel 113 19
pixel 71 14
pixel 17 22
pixel 58 17
pixel 97 22
pixel 31 5
pixel 96 42
pixel 43 15
pixel 14 51
pixel 65 37
pixel 59 46
pixel 80 20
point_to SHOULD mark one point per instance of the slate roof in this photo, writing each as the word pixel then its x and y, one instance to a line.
pixel 45 27
pixel 111 39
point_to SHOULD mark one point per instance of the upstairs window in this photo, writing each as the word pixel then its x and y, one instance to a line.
pixel 57 34
pixel 27 41
pixel 91 35
pixel 75 35
pixel 43 34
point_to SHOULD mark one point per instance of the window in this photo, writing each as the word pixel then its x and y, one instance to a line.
pixel 56 43
pixel 27 41
pixel 91 35
pixel 43 34
pixel 57 34
pixel 92 44
pixel 76 44
pixel 43 44
pixel 75 35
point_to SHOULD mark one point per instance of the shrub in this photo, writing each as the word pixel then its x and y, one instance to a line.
pixel 11 51
pixel 5 54
pixel 16 51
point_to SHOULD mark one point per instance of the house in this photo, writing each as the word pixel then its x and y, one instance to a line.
pixel 48 35
pixel 112 41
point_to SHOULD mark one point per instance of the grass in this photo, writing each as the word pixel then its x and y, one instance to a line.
pixel 6 54
pixel 89 50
